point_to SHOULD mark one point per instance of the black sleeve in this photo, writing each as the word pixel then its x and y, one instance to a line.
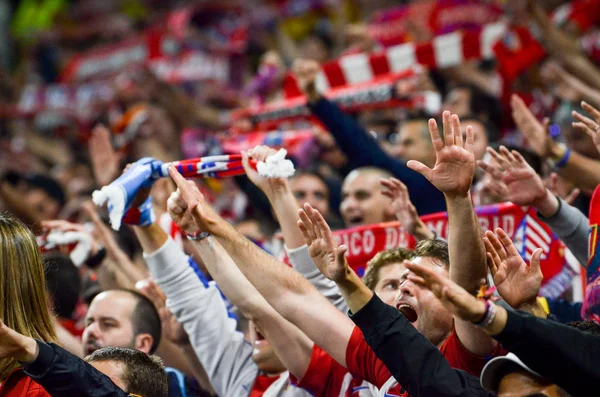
pixel 61 373
pixel 562 354
pixel 413 361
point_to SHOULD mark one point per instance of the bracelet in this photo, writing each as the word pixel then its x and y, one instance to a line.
pixel 94 261
pixel 198 236
pixel 489 316
pixel 564 160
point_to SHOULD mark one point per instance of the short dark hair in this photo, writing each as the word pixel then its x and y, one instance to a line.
pixel 491 131
pixel 62 282
pixel 381 260
pixel 143 374
pixel 145 318
pixel 590 327
pixel 436 249
pixel 483 104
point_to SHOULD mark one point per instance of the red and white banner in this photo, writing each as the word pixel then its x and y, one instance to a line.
pixel 522 224
pixel 154 48
pixel 396 25
pixel 443 51
pixel 376 94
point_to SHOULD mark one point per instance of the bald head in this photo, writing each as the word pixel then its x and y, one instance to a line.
pixel 362 201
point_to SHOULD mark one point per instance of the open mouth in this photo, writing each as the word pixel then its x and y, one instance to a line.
pixel 355 221
pixel 407 311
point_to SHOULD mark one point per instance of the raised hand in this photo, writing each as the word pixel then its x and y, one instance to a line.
pixel 327 255
pixel 455 162
pixel 188 208
pixel 553 186
pixel 404 209
pixel 172 330
pixel 517 283
pixel 589 125
pixel 105 160
pixel 260 153
pixel 454 298
pixel 306 72
pixel 521 184
pixel 535 132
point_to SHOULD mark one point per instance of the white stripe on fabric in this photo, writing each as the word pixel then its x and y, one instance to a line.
pixel 401 57
pixel 356 68
pixel 448 50
pixel 490 34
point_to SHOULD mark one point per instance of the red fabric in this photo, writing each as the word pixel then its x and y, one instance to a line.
pixel 261 384
pixel 71 326
pixel 20 385
pixel 585 13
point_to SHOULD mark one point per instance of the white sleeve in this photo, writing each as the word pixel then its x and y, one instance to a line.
pixel 225 355
pixel 302 262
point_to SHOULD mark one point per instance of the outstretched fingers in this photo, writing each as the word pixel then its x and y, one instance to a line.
pixel 323 228
pixel 595 113
pixel 507 242
pixel 187 192
pixel 470 141
pixel 306 227
pixel 448 128
pixel 434 132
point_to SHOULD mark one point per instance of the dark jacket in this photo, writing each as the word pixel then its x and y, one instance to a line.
pixel 61 373
pixel 411 359
pixel 562 354
pixel 362 150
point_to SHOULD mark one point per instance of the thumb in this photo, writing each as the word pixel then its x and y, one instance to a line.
pixel 420 168
pixel 246 163
pixel 535 261
pixel 341 254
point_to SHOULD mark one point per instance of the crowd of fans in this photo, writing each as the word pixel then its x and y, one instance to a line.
pixel 437 237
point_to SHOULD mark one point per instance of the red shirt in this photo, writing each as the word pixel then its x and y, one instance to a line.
pixel 325 377
pixel 20 385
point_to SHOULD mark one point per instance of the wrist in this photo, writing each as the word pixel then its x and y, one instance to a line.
pixel 499 322
pixel 547 205
pixel 276 189
pixel 422 232
pixel 28 350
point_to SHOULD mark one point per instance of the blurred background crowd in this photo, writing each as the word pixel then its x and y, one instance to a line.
pixel 89 86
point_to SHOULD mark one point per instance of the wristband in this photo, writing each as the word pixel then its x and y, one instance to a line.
pixel 561 158
pixel 489 316
pixel 95 261
pixel 564 160
pixel 198 236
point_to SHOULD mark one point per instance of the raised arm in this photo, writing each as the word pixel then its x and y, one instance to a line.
pixel 520 184
pixel 221 349
pixel 291 345
pixel 285 207
pixel 453 175
pixel 286 290
pixel 360 148
pixel 561 354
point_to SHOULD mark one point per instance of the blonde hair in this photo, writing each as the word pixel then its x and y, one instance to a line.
pixel 22 286
pixel 382 259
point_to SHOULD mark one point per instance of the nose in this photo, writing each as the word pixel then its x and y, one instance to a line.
pixel 406 286
pixel 92 331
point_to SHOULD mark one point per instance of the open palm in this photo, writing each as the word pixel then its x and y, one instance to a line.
pixel 455 162
pixel 517 283
pixel 524 185
pixel 327 255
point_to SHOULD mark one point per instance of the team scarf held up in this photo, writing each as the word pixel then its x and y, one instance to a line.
pixel 521 224
pixel 120 194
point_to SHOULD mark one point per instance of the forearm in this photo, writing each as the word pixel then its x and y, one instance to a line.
pixel 355 292
pixel 465 245
pixel 290 294
pixel 583 172
pixel 285 207
pixel 151 238
pixel 558 352
pixel 196 368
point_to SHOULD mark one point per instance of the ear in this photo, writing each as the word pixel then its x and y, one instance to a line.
pixel 143 342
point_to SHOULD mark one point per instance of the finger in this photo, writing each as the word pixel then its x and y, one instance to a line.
pixel 570 199
pixel 341 255
pixel 507 242
pixel 496 244
pixel 520 159
pixel 595 113
pixel 490 263
pixel 507 155
pixel 426 273
pixel 502 161
pixel 458 139
pixel 246 162
pixel 490 169
pixel 420 168
pixel 447 125
pixel 582 127
pixel 470 141
pixel 535 265
pixel 489 248
pixel 308 225
pixel 323 227
pixel 434 133
pixel 420 281
pixel 310 211
pixel 591 124
pixel 304 231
